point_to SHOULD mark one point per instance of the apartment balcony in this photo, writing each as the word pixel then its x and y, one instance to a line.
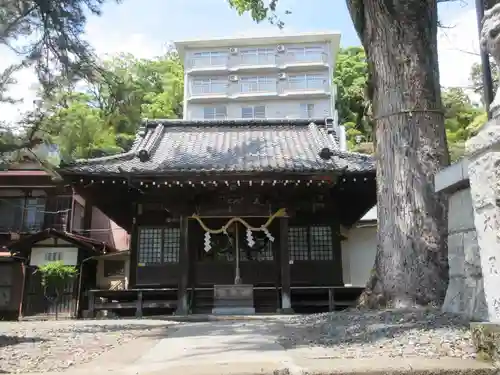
pixel 253 63
pixel 308 89
pixel 209 93
pixel 297 61
pixel 209 64
pixel 256 63
pixel 249 90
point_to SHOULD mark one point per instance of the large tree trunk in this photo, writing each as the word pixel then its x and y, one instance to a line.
pixel 400 39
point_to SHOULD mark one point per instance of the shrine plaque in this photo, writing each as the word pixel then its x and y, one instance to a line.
pixel 233 299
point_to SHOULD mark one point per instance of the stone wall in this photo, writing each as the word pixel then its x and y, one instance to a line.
pixel 465 294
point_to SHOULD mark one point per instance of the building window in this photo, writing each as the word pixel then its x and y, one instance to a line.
pixel 307 82
pixel 158 245
pixel 53 256
pixel 254 112
pixel 209 86
pixel 307 110
pixel 258 56
pixel 306 54
pixel 34 214
pixel 213 58
pixel 215 113
pixel 11 214
pixel 310 243
pixel 257 84
pixel 113 268
pixel 22 214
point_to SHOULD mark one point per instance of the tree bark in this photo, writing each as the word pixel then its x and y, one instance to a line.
pixel 400 40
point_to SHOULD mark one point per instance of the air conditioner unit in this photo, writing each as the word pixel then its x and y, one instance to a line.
pixel 233 78
pixel 280 48
pixel 282 76
pixel 233 50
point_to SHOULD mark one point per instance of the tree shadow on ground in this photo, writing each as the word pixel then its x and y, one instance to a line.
pixel 10 340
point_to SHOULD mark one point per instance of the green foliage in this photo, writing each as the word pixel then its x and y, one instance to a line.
pixel 46 36
pixel 55 275
pixel 104 118
pixel 351 73
pixel 462 118
pixel 476 77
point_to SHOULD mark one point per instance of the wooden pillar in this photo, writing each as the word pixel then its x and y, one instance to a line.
pixel 182 296
pixel 286 305
pixel 138 307
pixel 134 234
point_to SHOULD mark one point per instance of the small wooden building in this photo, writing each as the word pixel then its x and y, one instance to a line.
pixel 47 246
pixel 233 215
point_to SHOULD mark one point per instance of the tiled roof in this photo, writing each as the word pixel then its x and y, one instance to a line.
pixel 229 146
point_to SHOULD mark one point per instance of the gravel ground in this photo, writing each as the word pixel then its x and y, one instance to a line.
pixel 58 345
pixel 355 334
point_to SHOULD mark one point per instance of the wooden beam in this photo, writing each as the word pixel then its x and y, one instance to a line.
pixel 286 302
pixel 134 236
pixel 182 297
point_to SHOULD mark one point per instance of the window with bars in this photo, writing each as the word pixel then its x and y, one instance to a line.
pixel 55 256
pixel 158 245
pixel 215 113
pixel 310 243
pixel 254 112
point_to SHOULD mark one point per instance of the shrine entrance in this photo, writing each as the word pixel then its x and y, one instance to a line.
pixel 236 259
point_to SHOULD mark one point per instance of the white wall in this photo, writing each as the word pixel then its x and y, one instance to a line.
pixel 69 255
pixel 358 254
pixel 274 108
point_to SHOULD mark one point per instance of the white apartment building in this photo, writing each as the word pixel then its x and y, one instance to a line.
pixel 260 78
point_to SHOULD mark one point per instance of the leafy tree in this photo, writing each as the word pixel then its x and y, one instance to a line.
pixel 46 35
pixel 80 130
pixel 351 75
pixel 400 42
pixel 104 116
pixel 476 77
pixel 462 120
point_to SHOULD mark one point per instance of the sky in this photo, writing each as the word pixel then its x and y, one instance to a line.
pixel 145 28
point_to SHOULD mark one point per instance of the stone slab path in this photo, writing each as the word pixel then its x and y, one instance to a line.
pixel 248 348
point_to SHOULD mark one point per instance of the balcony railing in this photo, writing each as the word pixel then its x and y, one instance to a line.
pixel 256 59
pixel 257 87
pixel 213 89
pixel 209 62
pixel 311 85
pixel 306 58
